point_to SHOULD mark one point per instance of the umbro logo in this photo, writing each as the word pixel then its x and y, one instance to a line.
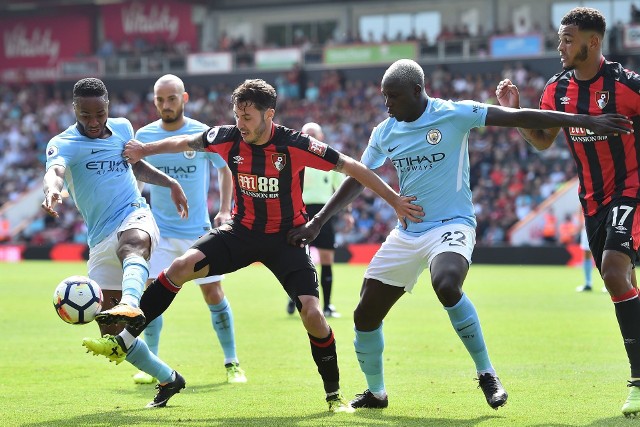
pixel 391 149
pixel 565 100
pixel 238 160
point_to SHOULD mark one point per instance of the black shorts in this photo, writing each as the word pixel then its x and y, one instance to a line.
pixel 327 237
pixel 616 227
pixel 231 247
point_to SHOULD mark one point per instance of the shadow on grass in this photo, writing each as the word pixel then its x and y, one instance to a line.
pixel 604 422
pixel 172 416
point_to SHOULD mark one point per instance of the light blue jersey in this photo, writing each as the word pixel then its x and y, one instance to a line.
pixel 99 180
pixel 431 157
pixel 191 170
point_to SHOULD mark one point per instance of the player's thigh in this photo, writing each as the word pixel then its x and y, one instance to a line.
pixel 376 299
pixel 138 234
pixel 163 255
pixel 291 265
pixel 623 228
pixel 399 261
pixel 104 266
pixel 449 238
pixel 227 248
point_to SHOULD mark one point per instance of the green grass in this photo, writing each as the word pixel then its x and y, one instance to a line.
pixel 558 353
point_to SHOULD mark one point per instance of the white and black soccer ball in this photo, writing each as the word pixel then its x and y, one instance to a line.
pixel 77 300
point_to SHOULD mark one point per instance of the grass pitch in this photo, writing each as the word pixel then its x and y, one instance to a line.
pixel 558 353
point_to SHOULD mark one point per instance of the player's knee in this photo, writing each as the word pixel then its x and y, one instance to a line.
pixel 181 269
pixel 615 278
pixel 365 319
pixel 310 313
pixel 212 293
pixel 133 248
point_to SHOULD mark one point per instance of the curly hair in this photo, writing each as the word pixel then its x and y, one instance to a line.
pixel 90 87
pixel 257 92
pixel 585 18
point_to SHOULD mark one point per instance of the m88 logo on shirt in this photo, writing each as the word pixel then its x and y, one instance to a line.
pixel 259 186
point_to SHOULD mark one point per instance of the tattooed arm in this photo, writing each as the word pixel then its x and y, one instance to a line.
pixel 144 172
pixel 135 150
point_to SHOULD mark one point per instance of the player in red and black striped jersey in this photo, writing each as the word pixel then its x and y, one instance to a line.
pixel 268 179
pixel 267 162
pixel 608 166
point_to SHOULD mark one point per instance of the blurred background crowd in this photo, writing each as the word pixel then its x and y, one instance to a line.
pixel 508 178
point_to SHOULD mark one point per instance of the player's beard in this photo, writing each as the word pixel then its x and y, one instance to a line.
pixel 175 117
pixel 580 57
pixel 258 132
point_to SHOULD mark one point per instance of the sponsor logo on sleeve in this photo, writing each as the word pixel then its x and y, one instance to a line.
pixel 211 135
pixel 52 151
pixel 318 148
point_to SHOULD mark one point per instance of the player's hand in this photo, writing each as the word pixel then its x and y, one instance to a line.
pixel 51 199
pixel 221 218
pixel 609 124
pixel 133 151
pixel 180 200
pixel 507 94
pixel 407 211
pixel 303 235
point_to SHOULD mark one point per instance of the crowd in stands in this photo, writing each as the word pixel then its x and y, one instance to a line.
pixel 508 178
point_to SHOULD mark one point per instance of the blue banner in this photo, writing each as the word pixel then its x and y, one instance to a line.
pixel 514 46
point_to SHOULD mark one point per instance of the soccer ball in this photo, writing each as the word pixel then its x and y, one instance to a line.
pixel 77 300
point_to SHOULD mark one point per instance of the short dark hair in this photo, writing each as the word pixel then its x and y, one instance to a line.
pixel 256 92
pixel 89 87
pixel 585 18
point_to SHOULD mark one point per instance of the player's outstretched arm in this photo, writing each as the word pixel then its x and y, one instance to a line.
pixel 529 118
pixel 540 127
pixel 135 150
pixel 52 187
pixel 146 173
pixel 508 96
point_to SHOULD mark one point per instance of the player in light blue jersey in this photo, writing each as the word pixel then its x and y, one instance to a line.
pixel 87 160
pixel 191 169
pixel 426 140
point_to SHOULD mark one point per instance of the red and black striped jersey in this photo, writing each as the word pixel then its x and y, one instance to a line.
pixel 268 178
pixel 608 166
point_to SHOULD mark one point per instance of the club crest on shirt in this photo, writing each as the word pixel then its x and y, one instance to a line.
pixel 602 98
pixel 189 154
pixel 434 136
pixel 279 161
pixel 52 151
pixel 317 147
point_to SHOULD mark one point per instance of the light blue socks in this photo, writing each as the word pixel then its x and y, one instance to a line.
pixel 587 266
pixel 465 321
pixel 152 334
pixel 135 272
pixel 140 357
pixel 222 322
pixel 369 347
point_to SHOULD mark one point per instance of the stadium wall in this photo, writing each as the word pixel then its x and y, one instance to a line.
pixel 352 254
